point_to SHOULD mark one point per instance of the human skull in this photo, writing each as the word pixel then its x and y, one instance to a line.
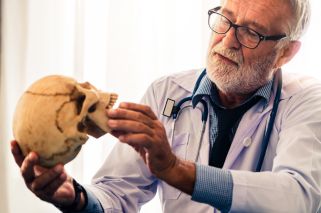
pixel 54 116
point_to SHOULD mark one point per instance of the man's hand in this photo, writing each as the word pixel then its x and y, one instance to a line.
pixel 138 126
pixel 52 185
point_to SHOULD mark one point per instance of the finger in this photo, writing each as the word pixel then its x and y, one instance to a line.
pixel 139 108
pixel 142 153
pixel 136 140
pixel 46 178
pixel 128 126
pixel 27 167
pixel 16 152
pixel 52 187
pixel 126 114
pixel 117 133
pixel 38 170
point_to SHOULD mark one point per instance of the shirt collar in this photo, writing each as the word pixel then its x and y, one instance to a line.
pixel 204 89
pixel 207 88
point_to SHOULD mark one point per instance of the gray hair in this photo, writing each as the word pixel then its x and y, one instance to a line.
pixel 301 18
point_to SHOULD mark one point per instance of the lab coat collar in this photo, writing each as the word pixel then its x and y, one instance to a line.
pixel 188 81
pixel 204 89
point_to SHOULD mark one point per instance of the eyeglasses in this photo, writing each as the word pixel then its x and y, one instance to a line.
pixel 245 36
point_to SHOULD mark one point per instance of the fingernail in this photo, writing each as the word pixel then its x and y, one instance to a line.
pixel 111 123
pixel 63 176
pixel 123 105
pixel 111 111
pixel 13 149
pixel 58 168
pixel 33 157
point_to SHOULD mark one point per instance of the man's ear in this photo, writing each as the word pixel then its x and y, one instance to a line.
pixel 287 53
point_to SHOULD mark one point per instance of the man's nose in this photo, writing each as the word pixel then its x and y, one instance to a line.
pixel 230 41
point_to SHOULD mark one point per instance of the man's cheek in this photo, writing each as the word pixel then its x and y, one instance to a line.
pixel 215 39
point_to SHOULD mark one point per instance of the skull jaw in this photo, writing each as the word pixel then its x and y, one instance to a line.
pixel 93 129
pixel 96 122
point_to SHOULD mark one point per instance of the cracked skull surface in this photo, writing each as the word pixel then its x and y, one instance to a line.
pixel 54 116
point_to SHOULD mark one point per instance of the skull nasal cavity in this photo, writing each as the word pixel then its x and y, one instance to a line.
pixel 81 127
pixel 92 108
pixel 79 103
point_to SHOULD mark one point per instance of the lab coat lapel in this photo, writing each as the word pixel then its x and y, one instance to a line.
pixel 194 143
pixel 246 129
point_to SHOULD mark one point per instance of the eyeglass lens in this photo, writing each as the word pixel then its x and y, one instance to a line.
pixel 244 35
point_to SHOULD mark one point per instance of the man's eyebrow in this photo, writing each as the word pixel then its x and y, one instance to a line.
pixel 257 26
pixel 250 24
pixel 226 11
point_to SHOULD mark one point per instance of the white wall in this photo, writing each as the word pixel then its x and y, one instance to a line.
pixel 117 45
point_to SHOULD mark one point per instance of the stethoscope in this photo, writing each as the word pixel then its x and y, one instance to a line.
pixel 174 111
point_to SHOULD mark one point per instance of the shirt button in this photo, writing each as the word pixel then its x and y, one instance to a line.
pixel 247 142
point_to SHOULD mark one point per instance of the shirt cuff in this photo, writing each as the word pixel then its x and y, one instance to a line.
pixel 93 205
pixel 213 186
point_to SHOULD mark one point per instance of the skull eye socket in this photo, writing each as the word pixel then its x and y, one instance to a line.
pixel 92 108
pixel 79 103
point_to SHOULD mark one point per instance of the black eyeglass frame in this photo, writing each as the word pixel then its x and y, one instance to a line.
pixel 235 26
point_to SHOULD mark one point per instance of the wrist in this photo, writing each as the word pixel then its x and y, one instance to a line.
pixel 181 175
pixel 80 201
pixel 83 202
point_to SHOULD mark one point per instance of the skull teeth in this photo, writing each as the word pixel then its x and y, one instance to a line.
pixel 112 101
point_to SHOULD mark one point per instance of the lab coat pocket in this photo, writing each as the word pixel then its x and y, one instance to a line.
pixel 179 145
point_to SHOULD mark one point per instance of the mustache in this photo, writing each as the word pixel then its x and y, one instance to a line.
pixel 233 55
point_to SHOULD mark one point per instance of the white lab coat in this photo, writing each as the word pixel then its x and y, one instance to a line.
pixel 291 177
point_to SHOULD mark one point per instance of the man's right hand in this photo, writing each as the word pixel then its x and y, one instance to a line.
pixel 49 184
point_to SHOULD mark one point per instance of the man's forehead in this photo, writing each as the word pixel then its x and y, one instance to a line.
pixel 252 2
pixel 262 14
pixel 261 7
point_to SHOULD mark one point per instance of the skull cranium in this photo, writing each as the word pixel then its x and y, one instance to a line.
pixel 54 116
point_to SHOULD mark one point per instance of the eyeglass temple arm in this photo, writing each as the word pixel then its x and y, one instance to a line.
pixel 273 38
pixel 215 9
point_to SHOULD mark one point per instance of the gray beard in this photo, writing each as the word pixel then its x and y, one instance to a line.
pixel 243 80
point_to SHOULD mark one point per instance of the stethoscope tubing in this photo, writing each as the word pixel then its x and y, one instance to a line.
pixel 268 132
pixel 266 138
pixel 202 132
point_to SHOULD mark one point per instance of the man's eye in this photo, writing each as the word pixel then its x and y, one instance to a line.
pixel 224 21
pixel 250 33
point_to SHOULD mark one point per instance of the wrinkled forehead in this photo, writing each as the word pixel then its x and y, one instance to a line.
pixel 272 15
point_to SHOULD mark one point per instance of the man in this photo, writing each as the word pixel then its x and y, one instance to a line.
pixel 214 171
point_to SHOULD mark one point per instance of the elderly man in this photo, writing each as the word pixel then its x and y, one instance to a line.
pixel 240 140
